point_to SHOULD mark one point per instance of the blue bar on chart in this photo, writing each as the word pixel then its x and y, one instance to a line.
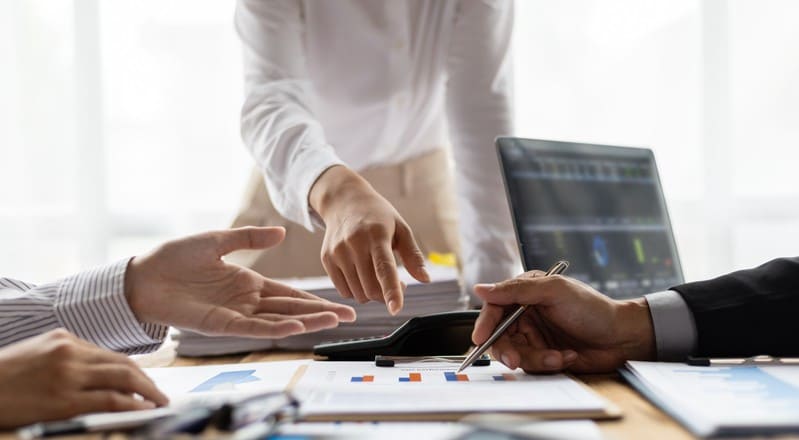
pixel 451 376
pixel 226 380
pixel 364 378
pixel 505 377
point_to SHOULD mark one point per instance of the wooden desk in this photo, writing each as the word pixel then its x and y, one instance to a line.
pixel 641 420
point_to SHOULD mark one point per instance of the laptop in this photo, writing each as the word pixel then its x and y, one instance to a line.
pixel 599 207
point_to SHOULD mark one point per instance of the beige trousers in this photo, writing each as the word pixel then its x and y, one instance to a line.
pixel 421 189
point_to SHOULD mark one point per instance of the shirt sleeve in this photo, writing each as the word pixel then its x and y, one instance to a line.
pixel 91 304
pixel 479 109
pixel 278 124
pixel 675 329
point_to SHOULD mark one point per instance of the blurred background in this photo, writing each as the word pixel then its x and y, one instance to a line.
pixel 119 120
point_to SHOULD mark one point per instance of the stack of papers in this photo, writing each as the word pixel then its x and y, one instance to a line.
pixel 549 430
pixel 722 400
pixel 442 294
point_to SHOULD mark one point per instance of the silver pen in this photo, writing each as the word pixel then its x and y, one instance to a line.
pixel 556 269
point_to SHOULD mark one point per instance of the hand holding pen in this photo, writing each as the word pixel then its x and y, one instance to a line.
pixel 557 269
pixel 571 326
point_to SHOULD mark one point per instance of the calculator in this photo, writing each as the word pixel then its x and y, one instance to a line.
pixel 438 334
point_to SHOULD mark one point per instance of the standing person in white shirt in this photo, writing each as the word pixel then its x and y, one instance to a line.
pixel 350 106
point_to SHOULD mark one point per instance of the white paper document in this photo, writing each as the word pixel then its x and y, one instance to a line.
pixel 550 430
pixel 723 400
pixel 220 382
pixel 367 392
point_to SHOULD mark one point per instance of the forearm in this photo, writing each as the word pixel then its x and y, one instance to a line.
pixel 748 312
pixel 635 330
pixel 278 124
pixel 90 304
pixel 673 325
pixel 337 186
pixel 288 148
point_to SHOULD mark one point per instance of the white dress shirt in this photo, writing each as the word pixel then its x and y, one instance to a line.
pixel 367 83
pixel 674 326
pixel 91 305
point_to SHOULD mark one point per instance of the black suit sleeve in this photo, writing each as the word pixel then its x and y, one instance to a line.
pixel 747 313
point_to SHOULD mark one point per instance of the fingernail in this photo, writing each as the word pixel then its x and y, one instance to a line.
pixel 485 287
pixel 425 274
pixel 570 356
pixel 505 360
pixel 551 361
pixel 393 306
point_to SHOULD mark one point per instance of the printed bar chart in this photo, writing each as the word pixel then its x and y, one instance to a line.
pixel 452 377
pixel 226 381
pixel 364 378
pixel 505 377
pixel 412 377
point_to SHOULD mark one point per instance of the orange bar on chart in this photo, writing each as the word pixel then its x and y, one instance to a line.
pixel 450 376
pixel 368 378
pixel 415 377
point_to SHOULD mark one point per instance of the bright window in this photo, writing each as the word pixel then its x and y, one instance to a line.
pixel 119 120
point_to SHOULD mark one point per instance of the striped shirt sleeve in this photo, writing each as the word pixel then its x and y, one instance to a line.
pixel 90 304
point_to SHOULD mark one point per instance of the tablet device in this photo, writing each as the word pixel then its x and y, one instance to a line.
pixel 600 207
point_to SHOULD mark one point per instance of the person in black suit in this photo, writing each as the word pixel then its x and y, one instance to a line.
pixel 573 327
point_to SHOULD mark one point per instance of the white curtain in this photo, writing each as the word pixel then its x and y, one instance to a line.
pixel 118 129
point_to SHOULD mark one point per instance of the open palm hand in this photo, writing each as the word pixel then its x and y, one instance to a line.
pixel 186 283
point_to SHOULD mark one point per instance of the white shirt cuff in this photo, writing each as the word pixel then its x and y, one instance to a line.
pixel 673 322
pixel 92 305
pixel 309 165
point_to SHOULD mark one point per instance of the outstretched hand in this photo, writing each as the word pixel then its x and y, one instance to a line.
pixel 568 326
pixel 362 232
pixel 186 283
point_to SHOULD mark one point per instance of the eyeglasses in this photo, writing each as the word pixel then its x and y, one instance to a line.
pixel 267 407
pixel 251 417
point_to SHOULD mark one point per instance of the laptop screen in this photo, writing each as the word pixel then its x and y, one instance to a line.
pixel 599 207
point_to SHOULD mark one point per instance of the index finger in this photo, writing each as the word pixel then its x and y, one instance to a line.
pixel 387 276
pixel 521 290
pixel 248 237
pixel 300 306
pixel 486 322
pixel 125 379
pixel 533 274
